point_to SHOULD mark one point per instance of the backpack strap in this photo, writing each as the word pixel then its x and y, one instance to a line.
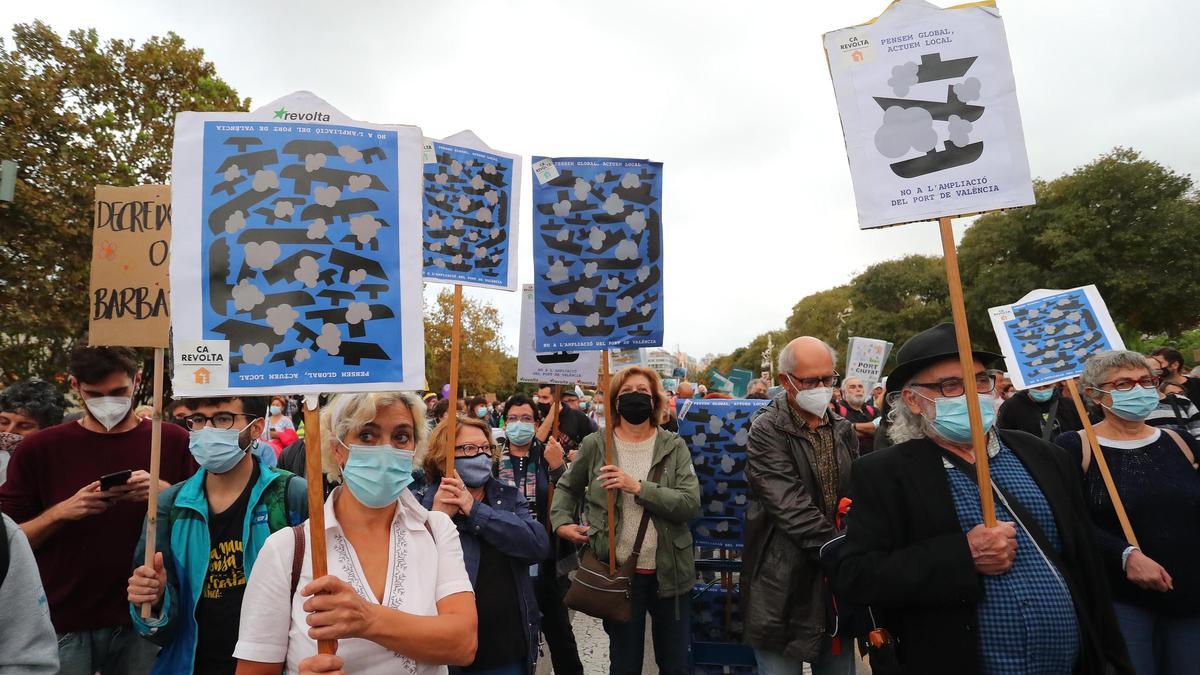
pixel 1087 449
pixel 1183 447
pixel 299 538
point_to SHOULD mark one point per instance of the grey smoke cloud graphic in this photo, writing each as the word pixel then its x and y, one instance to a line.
pixel 307 271
pixel 265 179
pixel 256 353
pixel 284 209
pixel 613 205
pixel 235 222
pixel 357 276
pixel 247 296
pixel 359 183
pixel 358 312
pixel 582 188
pixel 626 250
pixel 968 89
pixel 327 196
pixel 562 208
pixel 302 355
pixel 281 318
pixel 317 229
pixel 262 256
pixel 557 272
pixel 349 154
pixel 636 220
pixel 314 161
pixel 630 181
pixel 904 129
pixel 960 130
pixel 232 172
pixel 330 339
pixel 364 227
pixel 904 76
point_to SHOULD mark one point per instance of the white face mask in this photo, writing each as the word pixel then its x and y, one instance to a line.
pixel 109 410
pixel 814 401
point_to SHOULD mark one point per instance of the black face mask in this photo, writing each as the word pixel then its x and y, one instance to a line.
pixel 635 407
pixel 543 409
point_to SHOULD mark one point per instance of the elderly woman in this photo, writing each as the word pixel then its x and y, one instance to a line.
pixel 500 540
pixel 665 567
pixel 397 596
pixel 1027 595
pixel 1156 588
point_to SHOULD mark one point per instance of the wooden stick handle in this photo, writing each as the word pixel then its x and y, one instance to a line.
pixel 553 433
pixel 1102 464
pixel 608 459
pixel 452 409
pixel 958 309
pixel 155 465
pixel 313 474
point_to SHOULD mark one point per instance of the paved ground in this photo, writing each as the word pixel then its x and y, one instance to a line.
pixel 593 650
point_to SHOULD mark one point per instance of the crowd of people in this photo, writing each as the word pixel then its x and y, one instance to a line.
pixel 864 533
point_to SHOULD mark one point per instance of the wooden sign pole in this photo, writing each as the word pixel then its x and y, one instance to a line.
pixel 1102 464
pixel 553 433
pixel 313 474
pixel 155 462
pixel 958 310
pixel 452 409
pixel 608 460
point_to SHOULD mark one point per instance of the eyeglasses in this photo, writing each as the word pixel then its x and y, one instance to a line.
pixel 814 382
pixel 221 420
pixel 954 386
pixel 1126 384
pixel 469 450
pixel 519 418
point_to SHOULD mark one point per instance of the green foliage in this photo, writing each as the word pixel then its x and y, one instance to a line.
pixel 483 365
pixel 1127 224
pixel 76 112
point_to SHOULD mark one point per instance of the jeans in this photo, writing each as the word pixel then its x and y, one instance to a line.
pixel 556 623
pixel 774 663
pixel 1159 645
pixel 109 651
pixel 670 630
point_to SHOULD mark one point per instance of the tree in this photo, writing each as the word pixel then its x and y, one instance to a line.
pixel 1125 223
pixel 896 299
pixel 76 113
pixel 482 365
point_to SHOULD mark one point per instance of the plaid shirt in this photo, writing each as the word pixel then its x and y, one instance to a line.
pixel 1027 623
pixel 825 455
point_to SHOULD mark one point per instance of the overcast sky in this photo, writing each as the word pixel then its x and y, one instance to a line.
pixel 721 92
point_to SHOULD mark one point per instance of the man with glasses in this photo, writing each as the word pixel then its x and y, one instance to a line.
pixel 82 535
pixel 798 467
pixel 1028 595
pixel 210 529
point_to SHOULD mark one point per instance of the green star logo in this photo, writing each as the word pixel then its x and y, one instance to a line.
pixel 280 113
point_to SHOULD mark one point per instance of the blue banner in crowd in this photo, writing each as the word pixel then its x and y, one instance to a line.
pixel 598 254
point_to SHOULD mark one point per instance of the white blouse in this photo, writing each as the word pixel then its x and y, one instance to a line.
pixel 422 569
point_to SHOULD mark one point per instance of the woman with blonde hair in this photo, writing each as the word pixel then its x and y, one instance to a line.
pixel 500 540
pixel 397 597
pixel 665 566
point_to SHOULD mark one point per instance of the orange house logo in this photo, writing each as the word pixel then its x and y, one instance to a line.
pixel 202 376
pixel 856 55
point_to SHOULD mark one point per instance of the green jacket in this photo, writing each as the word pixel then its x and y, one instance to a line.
pixel 671 504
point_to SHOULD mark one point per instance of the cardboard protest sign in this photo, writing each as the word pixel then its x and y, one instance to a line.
pixel 1047 336
pixel 550 367
pixel 740 377
pixel 471 194
pixel 297 250
pixel 865 359
pixel 929 112
pixel 129 291
pixel 619 358
pixel 598 255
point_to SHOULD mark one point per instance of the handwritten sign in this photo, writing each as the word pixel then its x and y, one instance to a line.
pixel 550 367
pixel 129 292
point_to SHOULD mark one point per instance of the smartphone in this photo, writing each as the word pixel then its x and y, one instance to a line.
pixel 114 479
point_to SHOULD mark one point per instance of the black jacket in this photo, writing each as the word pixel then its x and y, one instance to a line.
pixel 782 587
pixel 907 556
pixel 1022 413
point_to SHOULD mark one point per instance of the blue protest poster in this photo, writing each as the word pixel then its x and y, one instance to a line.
pixel 718 432
pixel 296 249
pixel 470 200
pixel 1047 336
pixel 598 253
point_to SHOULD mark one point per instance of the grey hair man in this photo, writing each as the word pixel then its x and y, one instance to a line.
pixel 959 597
pixel 798 467
pixel 758 388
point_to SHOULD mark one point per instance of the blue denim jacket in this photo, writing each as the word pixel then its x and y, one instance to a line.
pixel 505 523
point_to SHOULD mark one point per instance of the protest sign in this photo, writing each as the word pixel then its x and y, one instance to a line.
pixel 929 113
pixel 550 367
pixel 619 358
pixel 740 377
pixel 865 359
pixel 471 193
pixel 1047 336
pixel 598 256
pixel 297 240
pixel 129 290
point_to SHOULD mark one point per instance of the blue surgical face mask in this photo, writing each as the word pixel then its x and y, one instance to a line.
pixel 952 422
pixel 1134 405
pixel 519 433
pixel 216 450
pixel 474 471
pixel 481 412
pixel 1041 395
pixel 275 409
pixel 377 474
